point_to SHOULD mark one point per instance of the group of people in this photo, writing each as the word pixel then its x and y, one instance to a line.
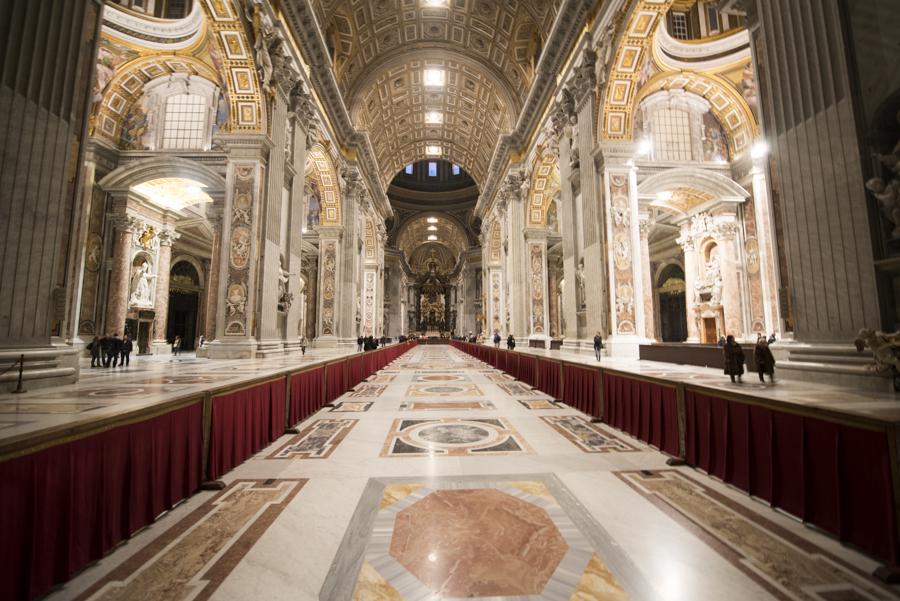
pixel 510 341
pixel 111 351
pixel 369 343
pixel 735 358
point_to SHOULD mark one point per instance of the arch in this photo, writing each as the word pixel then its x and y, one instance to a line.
pixel 125 177
pixel 198 267
pixel 726 104
pixel 322 170
pixel 543 188
pixel 369 248
pixel 414 232
pixel 706 181
pixel 632 53
pixel 495 244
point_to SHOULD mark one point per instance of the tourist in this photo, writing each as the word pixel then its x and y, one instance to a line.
pixel 176 345
pixel 722 341
pixel 201 341
pixel 765 360
pixel 359 343
pixel 105 344
pixel 94 347
pixel 598 345
pixel 511 342
pixel 771 338
pixel 496 338
pixel 125 352
pixel 115 347
pixel 734 359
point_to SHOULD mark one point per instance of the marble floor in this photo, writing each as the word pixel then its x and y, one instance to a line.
pixel 442 479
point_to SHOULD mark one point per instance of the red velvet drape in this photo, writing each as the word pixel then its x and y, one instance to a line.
pixel 528 369
pixel 581 388
pixel 549 372
pixel 67 505
pixel 835 476
pixel 307 394
pixel 646 410
pixel 336 382
pixel 243 422
pixel 357 368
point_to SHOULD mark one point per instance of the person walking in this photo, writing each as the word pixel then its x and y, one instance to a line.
pixel 771 338
pixel 94 347
pixel 598 345
pixel 511 342
pixel 765 360
pixel 496 338
pixel 734 359
pixel 105 344
pixel 176 345
pixel 359 343
pixel 125 353
pixel 116 349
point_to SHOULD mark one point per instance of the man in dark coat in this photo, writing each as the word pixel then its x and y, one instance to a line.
pixel 598 345
pixel 734 359
pixel 105 346
pixel 359 343
pixel 765 360
pixel 94 347
pixel 511 342
pixel 115 349
pixel 496 338
pixel 125 353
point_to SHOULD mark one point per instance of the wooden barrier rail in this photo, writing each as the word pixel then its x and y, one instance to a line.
pixel 841 474
pixel 67 500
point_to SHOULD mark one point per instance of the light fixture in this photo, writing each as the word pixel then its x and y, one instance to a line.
pixel 434 3
pixel 432 228
pixel 664 196
pixel 432 237
pixel 434 78
pixel 759 149
pixel 432 220
pixel 433 150
pixel 645 146
pixel 174 193
pixel 434 117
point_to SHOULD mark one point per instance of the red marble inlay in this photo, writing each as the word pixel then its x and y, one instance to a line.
pixel 477 543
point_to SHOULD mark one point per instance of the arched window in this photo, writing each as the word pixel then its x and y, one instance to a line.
pixel 671 134
pixel 186 122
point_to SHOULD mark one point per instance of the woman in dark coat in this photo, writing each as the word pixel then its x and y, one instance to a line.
pixel 765 360
pixel 511 342
pixel 734 359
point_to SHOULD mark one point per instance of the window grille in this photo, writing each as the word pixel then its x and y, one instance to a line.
pixel 185 124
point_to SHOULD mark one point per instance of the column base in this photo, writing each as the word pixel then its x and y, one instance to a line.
pixel 577 345
pixel 243 348
pixel 52 365
pixel 625 347
pixel 160 347
pixel 539 341
pixel 269 348
pixel 835 364
pixel 326 342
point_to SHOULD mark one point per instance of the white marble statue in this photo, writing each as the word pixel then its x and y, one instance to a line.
pixel 140 286
pixel 885 349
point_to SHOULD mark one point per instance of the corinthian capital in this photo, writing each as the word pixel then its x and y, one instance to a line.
pixel 585 75
pixel 168 237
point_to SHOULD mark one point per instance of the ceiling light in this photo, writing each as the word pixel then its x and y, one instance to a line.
pixel 434 117
pixel 645 146
pixel 759 149
pixel 432 228
pixel 174 193
pixel 434 3
pixel 434 78
pixel 432 220
pixel 664 196
pixel 433 150
pixel 432 237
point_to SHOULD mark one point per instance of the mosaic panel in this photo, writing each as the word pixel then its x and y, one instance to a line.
pixel 453 437
pixel 436 405
pixel 517 389
pixel 467 390
pixel 316 441
pixel 474 537
pixel 445 377
pixel 351 407
pixel 540 404
pixel 368 390
pixel 191 559
pixel 382 378
pixel 787 566
pixel 588 437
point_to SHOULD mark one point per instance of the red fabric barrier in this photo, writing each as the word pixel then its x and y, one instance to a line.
pixel 242 423
pixel 581 389
pixel 66 506
pixel 548 377
pixel 335 380
pixel 835 476
pixel 357 365
pixel 307 394
pixel 501 360
pixel 528 369
pixel 646 410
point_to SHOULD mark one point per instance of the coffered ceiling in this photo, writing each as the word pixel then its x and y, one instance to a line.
pixel 486 51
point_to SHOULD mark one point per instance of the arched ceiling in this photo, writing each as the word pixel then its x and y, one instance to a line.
pixel 487 49
pixel 415 232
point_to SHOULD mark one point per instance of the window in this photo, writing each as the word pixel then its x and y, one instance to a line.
pixel 680 26
pixel 671 135
pixel 185 124
pixel 408 170
pixel 455 169
pixel 713 15
pixel 432 169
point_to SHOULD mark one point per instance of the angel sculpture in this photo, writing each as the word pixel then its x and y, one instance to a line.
pixel 885 351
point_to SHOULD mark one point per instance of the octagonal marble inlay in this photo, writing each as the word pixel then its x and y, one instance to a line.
pixel 477 543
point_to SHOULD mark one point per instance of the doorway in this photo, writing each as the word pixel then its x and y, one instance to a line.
pixel 672 305
pixel 183 310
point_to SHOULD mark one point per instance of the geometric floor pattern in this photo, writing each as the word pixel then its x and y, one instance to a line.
pixel 440 478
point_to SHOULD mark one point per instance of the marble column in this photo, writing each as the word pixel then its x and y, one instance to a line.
pixel 536 255
pixel 120 274
pixel 518 288
pixel 50 51
pixel 568 227
pixel 329 270
pixel 295 328
pixel 646 270
pixel 732 306
pixel 214 216
pixel 161 298
pixel 237 298
pixel 77 261
pixel 688 245
pixel 553 302
pixel 765 237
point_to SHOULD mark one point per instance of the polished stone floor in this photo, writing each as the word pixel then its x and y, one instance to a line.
pixel 443 479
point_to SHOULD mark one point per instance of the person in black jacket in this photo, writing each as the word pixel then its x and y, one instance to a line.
pixel 511 342
pixel 598 345
pixel 125 353
pixel 359 343
pixel 94 347
pixel 496 338
pixel 105 344
pixel 115 349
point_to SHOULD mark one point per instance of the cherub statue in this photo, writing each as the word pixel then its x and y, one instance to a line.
pixel 885 349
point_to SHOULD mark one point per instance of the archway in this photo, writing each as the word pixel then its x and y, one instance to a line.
pixel 185 291
pixel 672 304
